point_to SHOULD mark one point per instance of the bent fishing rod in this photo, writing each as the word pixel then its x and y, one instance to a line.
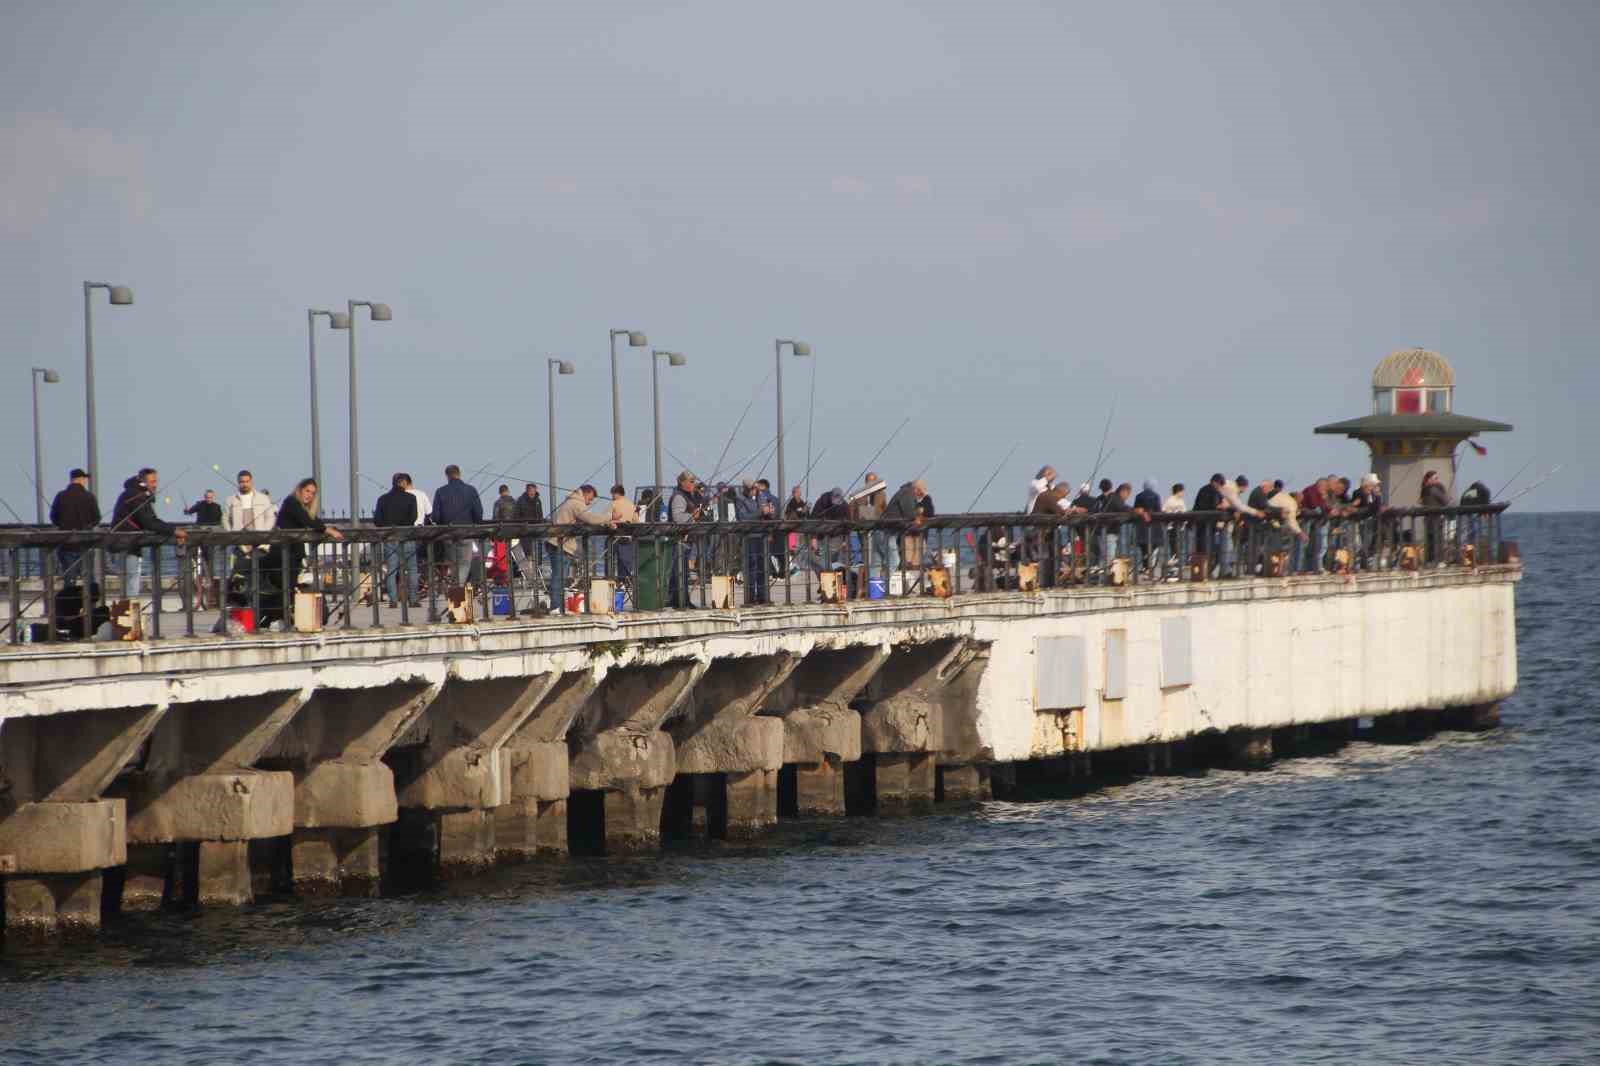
pixel 904 422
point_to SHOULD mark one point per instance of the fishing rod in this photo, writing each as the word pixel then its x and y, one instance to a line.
pixel 759 386
pixel 806 477
pixel 515 462
pixel 811 425
pixel 992 476
pixel 1514 477
pixel 903 423
pixel 14 514
pixel 1554 471
pixel 1101 456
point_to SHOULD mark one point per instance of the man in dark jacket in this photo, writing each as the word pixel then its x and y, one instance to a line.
pixel 74 508
pixel 1434 496
pixel 1207 534
pixel 530 508
pixel 505 505
pixel 456 504
pixel 135 512
pixel 206 510
pixel 397 509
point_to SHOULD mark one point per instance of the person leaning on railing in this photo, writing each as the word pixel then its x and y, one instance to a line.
pixel 397 509
pixel 299 512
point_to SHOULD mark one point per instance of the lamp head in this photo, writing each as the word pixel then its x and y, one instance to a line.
pixel 381 313
pixel 675 359
pixel 339 319
pixel 801 347
pixel 121 295
pixel 564 367
pixel 636 339
pixel 50 376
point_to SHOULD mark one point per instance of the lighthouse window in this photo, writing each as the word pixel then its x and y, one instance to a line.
pixel 1386 402
pixel 1408 401
pixel 1438 401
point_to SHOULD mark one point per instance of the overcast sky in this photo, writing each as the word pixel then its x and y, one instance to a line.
pixel 999 220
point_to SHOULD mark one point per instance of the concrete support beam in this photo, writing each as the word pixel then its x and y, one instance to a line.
pixel 717 733
pixel 618 749
pixel 42 907
pixel 821 732
pixel 337 862
pixel 56 832
pixel 343 791
pixel 916 707
pixel 334 747
pixel 964 784
pixel 536 773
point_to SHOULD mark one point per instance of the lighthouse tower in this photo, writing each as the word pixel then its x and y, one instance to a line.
pixel 1413 426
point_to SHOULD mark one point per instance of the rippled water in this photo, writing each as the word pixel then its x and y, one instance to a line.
pixel 1434 902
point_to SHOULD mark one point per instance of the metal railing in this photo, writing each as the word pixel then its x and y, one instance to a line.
pixel 507 570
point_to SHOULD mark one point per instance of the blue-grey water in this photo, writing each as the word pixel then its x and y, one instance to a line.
pixel 1433 902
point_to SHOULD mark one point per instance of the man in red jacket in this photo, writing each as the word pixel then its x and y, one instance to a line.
pixel 1314 509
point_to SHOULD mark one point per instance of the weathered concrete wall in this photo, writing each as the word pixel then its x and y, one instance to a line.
pixel 1262 655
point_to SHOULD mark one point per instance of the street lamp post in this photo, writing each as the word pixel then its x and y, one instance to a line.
pixel 635 340
pixel 801 348
pixel 673 359
pixel 121 296
pixel 49 377
pixel 380 313
pixel 337 320
pixel 556 366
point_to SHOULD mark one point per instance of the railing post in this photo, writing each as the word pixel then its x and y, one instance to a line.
pixel 186 589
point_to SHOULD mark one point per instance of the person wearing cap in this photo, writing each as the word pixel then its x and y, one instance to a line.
pixel 748 507
pixel 1365 506
pixel 74 508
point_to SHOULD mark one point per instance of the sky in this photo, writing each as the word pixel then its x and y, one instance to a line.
pixel 1004 225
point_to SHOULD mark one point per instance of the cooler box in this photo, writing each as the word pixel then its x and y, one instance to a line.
pixel 500 602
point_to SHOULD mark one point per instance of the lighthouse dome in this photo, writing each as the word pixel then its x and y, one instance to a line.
pixel 1413 368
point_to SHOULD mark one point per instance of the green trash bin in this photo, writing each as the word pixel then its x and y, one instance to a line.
pixel 652 571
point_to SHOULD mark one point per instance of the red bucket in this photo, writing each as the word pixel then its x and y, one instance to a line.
pixel 574 603
pixel 245 617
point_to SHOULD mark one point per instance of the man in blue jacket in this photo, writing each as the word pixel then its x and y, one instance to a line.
pixel 457 504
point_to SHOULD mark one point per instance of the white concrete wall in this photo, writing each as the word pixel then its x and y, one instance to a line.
pixel 1265 661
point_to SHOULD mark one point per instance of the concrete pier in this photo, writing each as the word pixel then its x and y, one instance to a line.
pixel 201 770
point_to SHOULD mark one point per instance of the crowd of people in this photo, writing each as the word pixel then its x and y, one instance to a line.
pixel 1308 528
pixel 1245 526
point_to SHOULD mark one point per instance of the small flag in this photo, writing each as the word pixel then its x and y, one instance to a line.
pixel 1475 446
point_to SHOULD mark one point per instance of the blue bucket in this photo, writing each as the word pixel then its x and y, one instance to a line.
pixel 875 588
pixel 619 601
pixel 500 602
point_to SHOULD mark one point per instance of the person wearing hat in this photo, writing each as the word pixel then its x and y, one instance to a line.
pixel 74 508
pixel 1365 506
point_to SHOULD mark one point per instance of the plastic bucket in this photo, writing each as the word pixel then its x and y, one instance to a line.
pixel 875 588
pixel 618 604
pixel 245 617
pixel 500 602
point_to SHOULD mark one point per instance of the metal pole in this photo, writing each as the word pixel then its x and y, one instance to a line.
pixel 551 367
pixel 38 460
pixel 355 458
pixel 777 351
pixel 616 423
pixel 88 384
pixel 316 420
pixel 655 388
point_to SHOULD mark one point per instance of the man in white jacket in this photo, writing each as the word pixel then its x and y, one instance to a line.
pixel 247 510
